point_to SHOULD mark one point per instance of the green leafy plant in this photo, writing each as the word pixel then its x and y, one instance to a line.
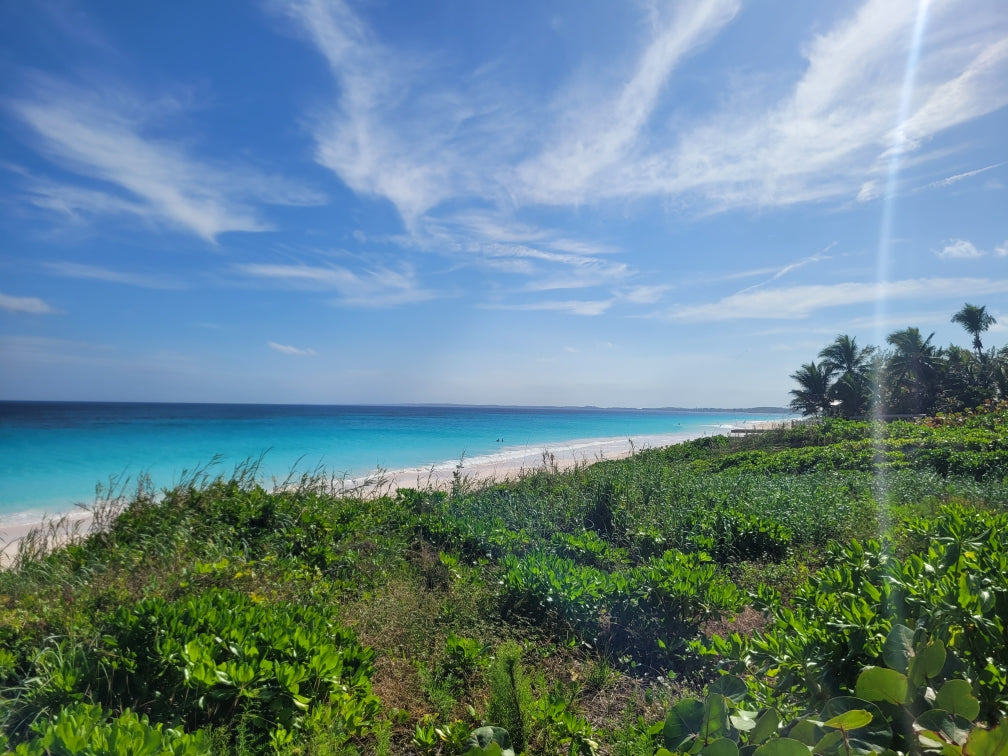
pixel 489 740
pixel 85 729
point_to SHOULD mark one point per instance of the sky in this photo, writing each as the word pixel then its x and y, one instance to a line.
pixel 574 202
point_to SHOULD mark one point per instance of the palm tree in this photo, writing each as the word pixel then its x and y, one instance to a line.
pixel 967 381
pixel 851 397
pixel 812 396
pixel 914 369
pixel 853 389
pixel 844 356
pixel 975 320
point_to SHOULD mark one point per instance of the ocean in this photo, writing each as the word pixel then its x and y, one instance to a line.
pixel 54 454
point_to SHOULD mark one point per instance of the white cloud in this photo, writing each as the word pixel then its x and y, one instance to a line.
pixel 644 294
pixel 869 190
pixel 405 129
pixel 800 301
pixel 1001 250
pixel 103 133
pixel 98 273
pixel 75 202
pixel 959 249
pixel 547 260
pixel 978 90
pixel 949 180
pixel 606 134
pixel 375 287
pixel 829 137
pixel 31 305
pixel 782 271
pixel 573 307
pixel 391 133
pixel 287 349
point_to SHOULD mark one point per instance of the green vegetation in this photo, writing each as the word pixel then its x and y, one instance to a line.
pixel 912 377
pixel 836 587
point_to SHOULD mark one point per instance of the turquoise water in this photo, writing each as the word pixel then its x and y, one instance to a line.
pixel 53 454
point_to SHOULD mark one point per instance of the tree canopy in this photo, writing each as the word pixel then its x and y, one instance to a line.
pixel 912 376
pixel 975 320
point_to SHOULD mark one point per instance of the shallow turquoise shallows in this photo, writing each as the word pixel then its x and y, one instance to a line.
pixel 54 454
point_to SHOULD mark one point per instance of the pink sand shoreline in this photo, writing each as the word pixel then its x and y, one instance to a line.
pixel 507 465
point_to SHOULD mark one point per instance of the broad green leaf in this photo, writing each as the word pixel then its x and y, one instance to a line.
pixel 881 684
pixel 730 687
pixel 832 744
pixel 988 742
pixel 874 736
pixel 742 723
pixel 720 747
pixel 489 740
pixel 493 749
pixel 929 740
pixel 927 663
pixel 956 696
pixel 683 723
pixel 806 731
pixel 950 728
pixel 765 727
pixel 715 723
pixel 783 747
pixel 898 648
pixel 850 720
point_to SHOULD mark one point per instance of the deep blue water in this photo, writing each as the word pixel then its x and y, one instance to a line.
pixel 53 454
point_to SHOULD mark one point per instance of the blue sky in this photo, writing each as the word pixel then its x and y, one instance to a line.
pixel 562 203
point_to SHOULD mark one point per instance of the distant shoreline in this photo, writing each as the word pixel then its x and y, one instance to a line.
pixel 487 469
pixel 426 405
pixel 508 462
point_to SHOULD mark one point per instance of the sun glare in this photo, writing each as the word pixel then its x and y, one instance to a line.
pixel 894 156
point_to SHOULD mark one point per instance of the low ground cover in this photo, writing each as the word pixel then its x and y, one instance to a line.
pixel 839 587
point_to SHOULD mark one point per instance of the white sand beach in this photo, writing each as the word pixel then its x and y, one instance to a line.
pixel 506 465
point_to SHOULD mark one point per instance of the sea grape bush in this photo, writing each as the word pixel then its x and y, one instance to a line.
pixel 590 548
pixel 955 593
pixel 645 612
pixel 209 613
pixel 83 729
pixel 224 652
pixel 891 712
pixel 216 658
pixel 910 706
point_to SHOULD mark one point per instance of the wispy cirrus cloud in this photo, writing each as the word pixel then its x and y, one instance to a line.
pixel 103 133
pixel 292 350
pixel 99 273
pixel 828 135
pixel 560 270
pixel 390 133
pixel 76 202
pixel 778 273
pixel 800 301
pixel 644 294
pixel 833 131
pixel 29 305
pixel 591 147
pixel 571 306
pixel 950 180
pixel 546 260
pixel 370 288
